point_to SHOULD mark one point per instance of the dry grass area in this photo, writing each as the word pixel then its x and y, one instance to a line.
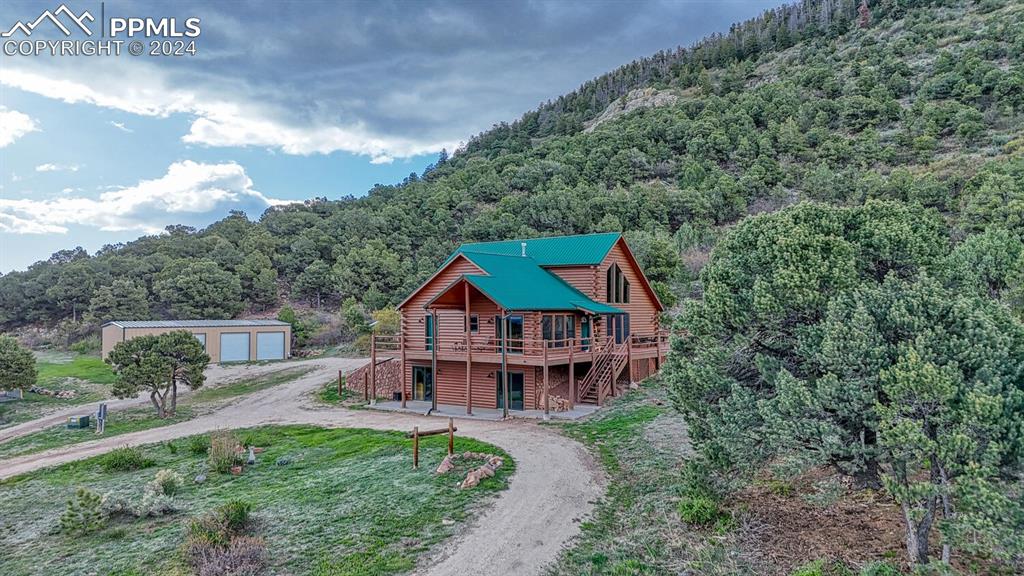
pixel 816 516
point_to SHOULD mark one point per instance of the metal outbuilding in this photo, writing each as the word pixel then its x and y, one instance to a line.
pixel 224 340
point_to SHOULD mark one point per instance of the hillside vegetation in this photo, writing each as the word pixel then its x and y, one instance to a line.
pixel 832 197
pixel 922 104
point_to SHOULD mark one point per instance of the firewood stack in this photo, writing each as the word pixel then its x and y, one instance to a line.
pixel 558 404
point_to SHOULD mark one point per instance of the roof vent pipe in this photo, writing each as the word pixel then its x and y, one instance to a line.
pixel 523 245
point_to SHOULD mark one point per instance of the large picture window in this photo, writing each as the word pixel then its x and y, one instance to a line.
pixel 616 285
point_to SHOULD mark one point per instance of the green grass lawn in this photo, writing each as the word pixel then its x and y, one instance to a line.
pixel 88 368
pixel 88 376
pixel 348 503
pixel 119 422
pixel 126 420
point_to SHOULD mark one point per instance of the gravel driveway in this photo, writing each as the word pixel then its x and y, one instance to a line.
pixel 555 485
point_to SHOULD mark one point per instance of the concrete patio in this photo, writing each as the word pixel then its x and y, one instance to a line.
pixel 459 411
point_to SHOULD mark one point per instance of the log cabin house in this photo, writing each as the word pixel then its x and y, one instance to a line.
pixel 546 322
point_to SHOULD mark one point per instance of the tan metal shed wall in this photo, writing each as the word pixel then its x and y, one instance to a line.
pixel 112 337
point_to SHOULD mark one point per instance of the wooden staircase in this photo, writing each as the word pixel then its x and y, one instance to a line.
pixel 604 371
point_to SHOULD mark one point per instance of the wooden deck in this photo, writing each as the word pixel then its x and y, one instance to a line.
pixel 586 355
pixel 527 352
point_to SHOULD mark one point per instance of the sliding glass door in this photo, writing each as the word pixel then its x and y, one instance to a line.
pixel 422 383
pixel 515 390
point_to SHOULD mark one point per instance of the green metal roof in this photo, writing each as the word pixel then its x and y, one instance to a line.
pixel 518 283
pixel 581 250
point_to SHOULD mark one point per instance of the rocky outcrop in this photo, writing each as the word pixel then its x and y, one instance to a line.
pixel 635 100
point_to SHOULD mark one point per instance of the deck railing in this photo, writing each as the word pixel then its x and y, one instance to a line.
pixel 528 347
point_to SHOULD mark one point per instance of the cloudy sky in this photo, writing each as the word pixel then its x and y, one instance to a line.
pixel 286 101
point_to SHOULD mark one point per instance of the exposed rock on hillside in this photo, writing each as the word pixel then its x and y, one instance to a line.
pixel 635 100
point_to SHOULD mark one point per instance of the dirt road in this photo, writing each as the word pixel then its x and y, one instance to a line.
pixel 555 484
pixel 216 374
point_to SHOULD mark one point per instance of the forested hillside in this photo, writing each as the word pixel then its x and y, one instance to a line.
pixel 919 102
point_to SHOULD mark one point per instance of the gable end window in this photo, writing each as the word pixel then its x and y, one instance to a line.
pixel 616 285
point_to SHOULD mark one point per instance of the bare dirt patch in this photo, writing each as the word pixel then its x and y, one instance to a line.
pixel 816 516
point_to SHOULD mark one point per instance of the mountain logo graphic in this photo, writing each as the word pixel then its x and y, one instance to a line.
pixel 53 17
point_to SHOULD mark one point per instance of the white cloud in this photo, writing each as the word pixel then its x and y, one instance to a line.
pixel 190 192
pixel 219 121
pixel 14 125
pixel 57 168
pixel 120 126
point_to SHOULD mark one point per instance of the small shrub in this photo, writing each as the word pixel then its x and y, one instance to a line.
pixel 235 514
pixel 208 529
pixel 199 445
pixel 84 513
pixel 780 488
pixel 166 483
pixel 117 505
pixel 222 451
pixel 124 459
pixel 216 546
pixel 242 556
pixel 699 510
pixel 87 345
pixel 171 447
pixel 155 504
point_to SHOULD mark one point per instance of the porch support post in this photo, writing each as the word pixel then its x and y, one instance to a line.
pixel 572 374
pixel 433 360
pixel 629 357
pixel 373 368
pixel 547 404
pixel 401 346
pixel 504 363
pixel 469 357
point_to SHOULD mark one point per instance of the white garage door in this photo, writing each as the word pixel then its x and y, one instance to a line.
pixel 234 347
pixel 270 345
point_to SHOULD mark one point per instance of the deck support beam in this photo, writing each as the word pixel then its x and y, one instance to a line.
pixel 401 345
pixel 547 389
pixel 629 358
pixel 469 356
pixel 373 368
pixel 572 375
pixel 433 360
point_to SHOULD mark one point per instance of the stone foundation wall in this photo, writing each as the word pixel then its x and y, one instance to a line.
pixel 389 378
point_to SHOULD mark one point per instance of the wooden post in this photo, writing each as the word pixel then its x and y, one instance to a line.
pixel 401 345
pixel 629 357
pixel 469 356
pixel 415 447
pixel 572 374
pixel 341 384
pixel 547 402
pixel 451 436
pixel 366 386
pixel 373 368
